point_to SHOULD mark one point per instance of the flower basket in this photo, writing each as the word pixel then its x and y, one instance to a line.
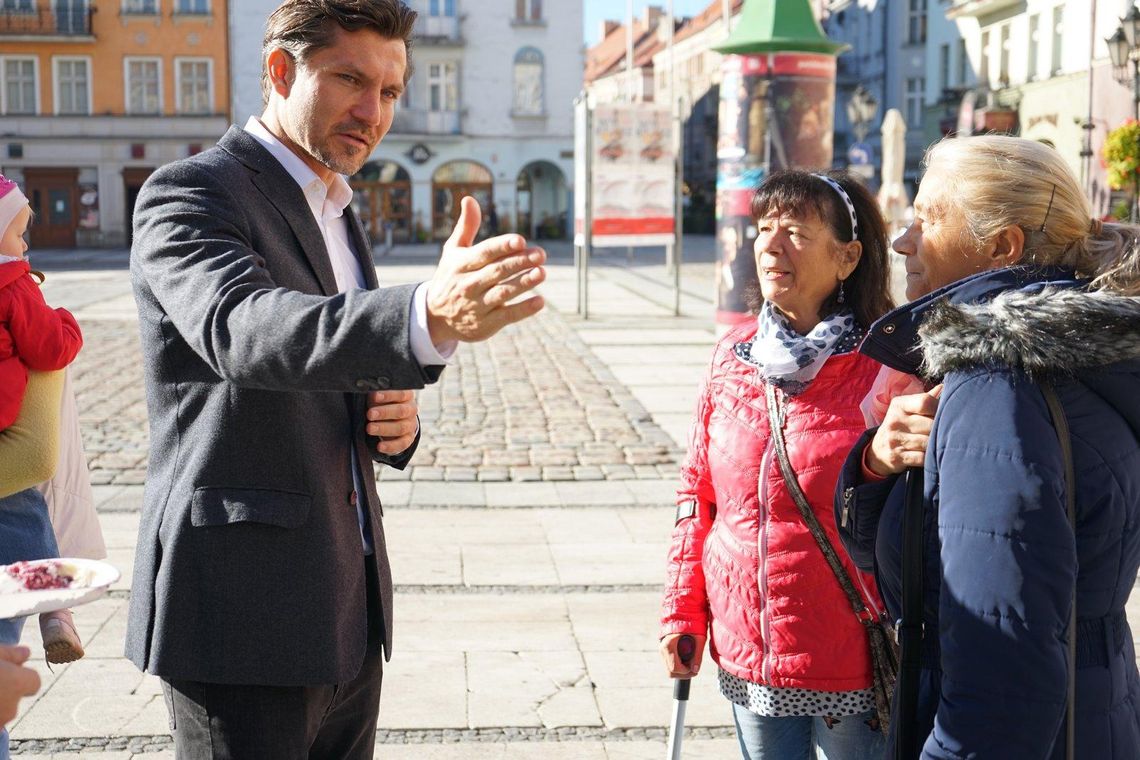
pixel 1121 154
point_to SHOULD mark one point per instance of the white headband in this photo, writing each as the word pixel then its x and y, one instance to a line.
pixel 847 202
pixel 11 204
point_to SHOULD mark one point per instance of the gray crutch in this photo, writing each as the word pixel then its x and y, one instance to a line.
pixel 686 649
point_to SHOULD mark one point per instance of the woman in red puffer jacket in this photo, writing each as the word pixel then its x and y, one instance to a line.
pixel 745 573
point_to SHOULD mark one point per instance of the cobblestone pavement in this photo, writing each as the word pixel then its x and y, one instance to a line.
pixel 531 404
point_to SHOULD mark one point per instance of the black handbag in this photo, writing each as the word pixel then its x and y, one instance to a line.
pixel 910 627
pixel 884 653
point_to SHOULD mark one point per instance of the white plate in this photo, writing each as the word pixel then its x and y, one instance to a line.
pixel 94 576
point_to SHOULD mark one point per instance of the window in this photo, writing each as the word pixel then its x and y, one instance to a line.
pixel 194 86
pixel 915 88
pixel 18 5
pixel 1058 19
pixel 72 86
pixel 1034 46
pixel 442 8
pixel 1003 59
pixel 192 7
pixel 916 22
pixel 145 7
pixel 528 10
pixel 19 96
pixel 144 85
pixel 528 98
pixel 984 63
pixel 963 64
pixel 943 69
pixel 443 87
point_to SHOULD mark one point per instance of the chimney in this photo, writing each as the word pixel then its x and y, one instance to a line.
pixel 653 14
pixel 609 27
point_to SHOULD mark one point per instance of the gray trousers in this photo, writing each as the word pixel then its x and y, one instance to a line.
pixel 324 722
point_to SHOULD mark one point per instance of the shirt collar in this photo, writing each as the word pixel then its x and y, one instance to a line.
pixel 338 194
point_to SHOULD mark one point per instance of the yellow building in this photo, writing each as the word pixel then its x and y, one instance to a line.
pixel 95 95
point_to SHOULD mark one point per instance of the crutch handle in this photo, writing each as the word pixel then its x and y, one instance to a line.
pixel 686 650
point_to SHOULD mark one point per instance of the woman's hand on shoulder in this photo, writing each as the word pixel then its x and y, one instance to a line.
pixel 672 659
pixel 902 437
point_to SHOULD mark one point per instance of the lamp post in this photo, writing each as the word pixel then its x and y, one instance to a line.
pixel 861 110
pixel 1124 50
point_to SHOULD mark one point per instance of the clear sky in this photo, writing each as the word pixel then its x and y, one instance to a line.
pixel 599 10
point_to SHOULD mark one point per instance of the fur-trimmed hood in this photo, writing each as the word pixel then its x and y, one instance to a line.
pixel 1041 331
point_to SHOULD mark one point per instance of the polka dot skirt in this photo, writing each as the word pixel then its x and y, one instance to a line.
pixel 773 702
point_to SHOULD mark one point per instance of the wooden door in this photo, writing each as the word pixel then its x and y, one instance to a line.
pixel 54 198
pixel 446 198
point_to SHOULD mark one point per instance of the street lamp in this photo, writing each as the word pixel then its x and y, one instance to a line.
pixel 861 110
pixel 1124 49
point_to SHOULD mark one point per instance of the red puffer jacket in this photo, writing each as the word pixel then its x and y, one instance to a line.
pixel 744 567
pixel 32 335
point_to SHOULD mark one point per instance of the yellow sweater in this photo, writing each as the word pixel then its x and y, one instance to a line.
pixel 29 448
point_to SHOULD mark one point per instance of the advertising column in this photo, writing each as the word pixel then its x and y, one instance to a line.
pixel 776 112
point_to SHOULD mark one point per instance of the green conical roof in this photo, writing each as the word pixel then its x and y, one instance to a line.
pixel 768 26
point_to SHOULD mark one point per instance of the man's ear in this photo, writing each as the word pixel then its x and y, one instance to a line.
pixel 1008 247
pixel 280 67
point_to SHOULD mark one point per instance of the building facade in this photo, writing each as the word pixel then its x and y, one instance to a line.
pixel 889 40
pixel 93 99
pixel 1038 69
pixel 488 113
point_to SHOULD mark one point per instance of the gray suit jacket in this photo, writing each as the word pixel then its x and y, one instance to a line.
pixel 249 567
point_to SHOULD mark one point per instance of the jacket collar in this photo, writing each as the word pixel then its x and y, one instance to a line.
pixel 10 271
pixel 280 189
pixel 894 339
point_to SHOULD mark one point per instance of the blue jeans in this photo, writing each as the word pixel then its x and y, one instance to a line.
pixel 804 738
pixel 25 533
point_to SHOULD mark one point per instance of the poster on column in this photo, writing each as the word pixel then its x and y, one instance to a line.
pixel 633 175
pixel 776 112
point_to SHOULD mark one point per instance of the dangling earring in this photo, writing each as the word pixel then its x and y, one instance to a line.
pixel 841 298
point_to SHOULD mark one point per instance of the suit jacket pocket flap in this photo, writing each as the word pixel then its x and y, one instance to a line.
pixel 223 506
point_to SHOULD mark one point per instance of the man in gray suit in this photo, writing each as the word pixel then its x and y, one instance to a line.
pixel 276 371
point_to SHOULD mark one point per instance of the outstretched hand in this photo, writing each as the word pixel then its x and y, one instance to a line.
pixel 469 297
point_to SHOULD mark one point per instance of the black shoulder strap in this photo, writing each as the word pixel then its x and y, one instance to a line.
pixel 1061 423
pixel 910 627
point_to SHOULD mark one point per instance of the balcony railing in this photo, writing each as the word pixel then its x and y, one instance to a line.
pixel 419 121
pixel 437 29
pixel 46 22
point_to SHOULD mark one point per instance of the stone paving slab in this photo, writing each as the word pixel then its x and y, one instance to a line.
pixel 461 661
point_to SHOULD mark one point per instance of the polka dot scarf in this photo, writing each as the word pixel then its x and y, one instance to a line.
pixel 790 360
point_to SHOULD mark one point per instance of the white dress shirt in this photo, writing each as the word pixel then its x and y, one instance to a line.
pixel 328 203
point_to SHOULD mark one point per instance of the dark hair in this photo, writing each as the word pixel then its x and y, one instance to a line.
pixel 797 192
pixel 301 27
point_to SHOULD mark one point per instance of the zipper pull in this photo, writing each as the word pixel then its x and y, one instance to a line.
pixel 848 497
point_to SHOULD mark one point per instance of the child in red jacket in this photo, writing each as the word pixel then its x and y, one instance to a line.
pixel 32 336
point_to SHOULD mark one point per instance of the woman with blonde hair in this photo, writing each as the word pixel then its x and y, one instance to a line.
pixel 1026 311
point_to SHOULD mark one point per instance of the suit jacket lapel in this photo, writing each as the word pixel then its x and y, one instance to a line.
pixel 362 248
pixel 282 191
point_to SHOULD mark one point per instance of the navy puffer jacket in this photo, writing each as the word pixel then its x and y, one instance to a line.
pixel 1000 554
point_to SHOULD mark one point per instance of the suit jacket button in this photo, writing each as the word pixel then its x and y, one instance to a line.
pixel 363 385
pixel 383 383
